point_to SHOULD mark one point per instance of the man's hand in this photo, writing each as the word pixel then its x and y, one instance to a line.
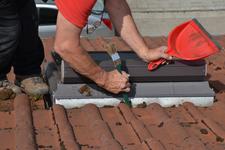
pixel 116 82
pixel 155 54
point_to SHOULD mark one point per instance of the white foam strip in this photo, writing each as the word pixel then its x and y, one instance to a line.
pixel 163 101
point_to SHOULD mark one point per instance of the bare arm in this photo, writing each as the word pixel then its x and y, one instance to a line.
pixel 122 19
pixel 67 45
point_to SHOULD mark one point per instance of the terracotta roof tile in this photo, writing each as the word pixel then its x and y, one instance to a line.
pixel 26 125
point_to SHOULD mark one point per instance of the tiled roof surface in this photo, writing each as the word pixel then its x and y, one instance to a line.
pixel 27 127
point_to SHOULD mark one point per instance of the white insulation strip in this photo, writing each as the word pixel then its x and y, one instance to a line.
pixel 163 101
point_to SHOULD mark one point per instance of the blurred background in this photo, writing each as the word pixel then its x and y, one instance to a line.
pixel 153 17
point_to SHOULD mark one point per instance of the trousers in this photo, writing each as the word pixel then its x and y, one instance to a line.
pixel 20 45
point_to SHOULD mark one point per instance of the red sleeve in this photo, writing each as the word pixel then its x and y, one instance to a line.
pixel 75 11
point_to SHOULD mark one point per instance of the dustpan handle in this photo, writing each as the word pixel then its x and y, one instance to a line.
pixel 155 64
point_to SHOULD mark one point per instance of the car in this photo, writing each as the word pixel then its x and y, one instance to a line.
pixel 47 15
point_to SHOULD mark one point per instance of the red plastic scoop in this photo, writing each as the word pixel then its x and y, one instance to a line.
pixel 189 41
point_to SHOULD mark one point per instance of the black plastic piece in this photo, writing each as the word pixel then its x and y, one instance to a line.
pixel 177 71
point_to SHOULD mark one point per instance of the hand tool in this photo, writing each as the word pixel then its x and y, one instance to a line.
pixel 111 50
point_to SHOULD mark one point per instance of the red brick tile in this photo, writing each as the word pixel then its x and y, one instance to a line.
pixel 127 113
pixel 215 113
pixel 24 132
pixel 84 136
pixel 37 104
pixel 76 117
pixel 140 130
pixel 200 131
pixel 7 141
pixel 84 115
pixel 6 106
pixel 142 146
pixel 43 119
pixel 92 131
pixel 155 144
pixel 156 114
pixel 112 144
pixel 178 135
pixel 45 129
pixel 99 43
pixel 96 135
pixel 7 120
pixel 180 114
pixel 102 133
pixel 91 113
pixel 85 43
pixel 112 116
pixel 160 125
pixel 218 133
pixel 120 44
pixel 65 130
pixel 154 42
pixel 220 96
pixel 124 134
pixel 47 139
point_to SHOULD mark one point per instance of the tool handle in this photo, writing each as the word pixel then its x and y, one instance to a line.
pixel 155 64
pixel 119 68
pixel 125 95
pixel 127 100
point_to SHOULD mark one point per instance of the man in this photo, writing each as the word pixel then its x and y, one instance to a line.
pixel 20 47
pixel 72 17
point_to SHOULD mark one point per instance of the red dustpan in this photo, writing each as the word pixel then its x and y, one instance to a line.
pixel 189 41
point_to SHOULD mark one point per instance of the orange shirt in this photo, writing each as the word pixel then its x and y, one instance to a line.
pixel 75 11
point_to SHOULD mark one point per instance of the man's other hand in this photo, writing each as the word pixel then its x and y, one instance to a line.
pixel 155 54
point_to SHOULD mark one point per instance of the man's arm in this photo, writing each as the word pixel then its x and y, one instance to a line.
pixel 67 45
pixel 123 21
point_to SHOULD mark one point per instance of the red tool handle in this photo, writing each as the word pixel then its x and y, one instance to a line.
pixel 155 64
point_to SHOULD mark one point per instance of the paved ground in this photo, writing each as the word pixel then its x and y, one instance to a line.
pixel 175 5
pixel 159 17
